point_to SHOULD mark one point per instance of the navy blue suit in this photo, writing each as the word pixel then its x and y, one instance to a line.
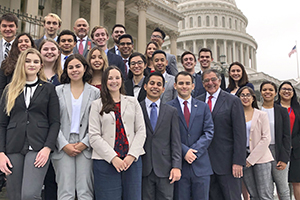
pixel 199 89
pixel 198 135
pixel 114 59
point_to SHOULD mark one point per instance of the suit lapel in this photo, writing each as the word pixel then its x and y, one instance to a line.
pixel 37 91
pixel 146 117
pixel 194 110
pixel 68 99
pixel 160 117
pixel 85 98
pixel 254 120
pixel 176 103
pixel 123 105
pixel 218 104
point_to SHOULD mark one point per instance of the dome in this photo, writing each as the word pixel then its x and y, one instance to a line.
pixel 232 2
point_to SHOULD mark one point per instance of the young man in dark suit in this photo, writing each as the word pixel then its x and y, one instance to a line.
pixel 117 31
pixel 162 161
pixel 227 151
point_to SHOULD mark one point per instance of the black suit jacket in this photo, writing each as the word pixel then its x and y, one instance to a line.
pixel 295 151
pixel 112 50
pixel 114 59
pixel 38 42
pixel 163 145
pixel 282 134
pixel 4 80
pixel 129 90
pixel 39 123
pixel 228 146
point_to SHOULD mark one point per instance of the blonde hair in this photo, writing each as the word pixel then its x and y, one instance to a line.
pixel 57 65
pixel 16 86
pixel 55 16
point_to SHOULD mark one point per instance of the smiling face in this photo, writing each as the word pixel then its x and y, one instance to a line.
pixel 118 31
pixel 205 60
pixel 286 92
pixel 49 52
pixel 75 70
pixel 246 98
pixel 100 37
pixel 150 50
pixel 160 62
pixel 67 44
pixel 154 88
pixel 137 66
pixel 188 62
pixel 32 66
pixel 8 30
pixel 236 73
pixel 125 47
pixel 81 28
pixel 268 92
pixel 114 81
pixel 211 83
pixel 157 37
pixel 184 86
pixel 24 43
pixel 51 26
pixel 97 61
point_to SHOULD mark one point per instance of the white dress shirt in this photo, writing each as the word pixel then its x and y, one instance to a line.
pixel 148 103
pixel 83 42
pixel 4 46
pixel 214 99
pixel 189 104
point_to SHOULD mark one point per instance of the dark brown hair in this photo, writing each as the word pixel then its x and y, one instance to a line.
pixel 243 81
pixel 254 103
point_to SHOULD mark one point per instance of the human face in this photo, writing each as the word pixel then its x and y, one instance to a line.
pixel 236 73
pixel 157 37
pixel 32 66
pixel 24 43
pixel 205 59
pixel 160 62
pixel 49 52
pixel 137 66
pixel 100 37
pixel 154 88
pixel 114 81
pixel 246 98
pixel 8 30
pixel 268 92
pixel 51 26
pixel 81 28
pixel 188 62
pixel 286 92
pixel 150 50
pixel 97 60
pixel 211 83
pixel 125 47
pixel 118 31
pixel 75 70
pixel 184 86
pixel 67 44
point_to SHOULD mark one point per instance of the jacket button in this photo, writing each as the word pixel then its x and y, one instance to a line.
pixel 189 135
pixel 80 125
pixel 27 122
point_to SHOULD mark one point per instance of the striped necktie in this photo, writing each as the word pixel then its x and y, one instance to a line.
pixel 7 48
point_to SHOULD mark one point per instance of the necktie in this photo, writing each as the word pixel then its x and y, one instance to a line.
pixel 125 62
pixel 186 113
pixel 153 115
pixel 7 45
pixel 80 49
pixel 209 102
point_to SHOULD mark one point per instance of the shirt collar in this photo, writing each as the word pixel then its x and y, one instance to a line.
pixel 140 84
pixel 215 95
pixel 149 102
pixel 3 41
pixel 84 39
pixel 182 100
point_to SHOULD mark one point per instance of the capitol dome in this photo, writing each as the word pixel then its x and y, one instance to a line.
pixel 218 25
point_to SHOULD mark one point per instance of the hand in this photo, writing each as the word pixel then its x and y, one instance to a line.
pixel 42 157
pixel 4 161
pixel 248 164
pixel 128 160
pixel 80 146
pixel 281 165
pixel 119 164
pixel 71 150
pixel 190 156
pixel 175 175
pixel 237 171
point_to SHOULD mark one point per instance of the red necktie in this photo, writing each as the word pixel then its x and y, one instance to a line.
pixel 209 102
pixel 186 113
pixel 80 49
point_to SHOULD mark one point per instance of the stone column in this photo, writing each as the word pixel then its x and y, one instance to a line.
pixel 120 12
pixel 32 10
pixel 103 6
pixel 15 4
pixel 66 17
pixel 184 45
pixel 142 34
pixel 225 50
pixel 204 43
pixel 194 47
pixel 95 13
pixel 242 53
pixel 215 52
pixel 247 56
pixel 173 39
pixel 233 52
pixel 75 11
pixel 252 58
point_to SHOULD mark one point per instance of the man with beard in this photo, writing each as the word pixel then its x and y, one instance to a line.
pixel 116 32
pixel 125 46
pixel 67 41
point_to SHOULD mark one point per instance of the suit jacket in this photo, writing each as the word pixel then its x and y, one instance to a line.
pixel 259 139
pixel 129 90
pixel 172 64
pixel 39 123
pixel 114 59
pixel 4 80
pixel 102 129
pixel 38 42
pixel 282 134
pixel 170 93
pixel 88 46
pixel 112 50
pixel 295 152
pixel 90 93
pixel 228 146
pixel 199 89
pixel 198 135
pixel 163 145
pixel 247 84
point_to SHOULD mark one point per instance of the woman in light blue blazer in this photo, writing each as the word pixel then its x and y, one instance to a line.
pixel 72 158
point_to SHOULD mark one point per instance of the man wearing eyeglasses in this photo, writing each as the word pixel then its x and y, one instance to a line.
pixel 116 32
pixel 158 36
pixel 125 46
pixel 52 23
pixel 227 150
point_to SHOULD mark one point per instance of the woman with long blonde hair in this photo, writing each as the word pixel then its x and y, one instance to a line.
pixel 29 125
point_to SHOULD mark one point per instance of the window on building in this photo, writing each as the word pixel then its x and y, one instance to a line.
pixel 183 24
pixel 235 23
pixel 216 21
pixel 230 23
pixel 199 21
pixel 223 22
pixel 207 21
pixel 191 22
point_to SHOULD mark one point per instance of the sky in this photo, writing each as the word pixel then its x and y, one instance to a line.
pixel 275 26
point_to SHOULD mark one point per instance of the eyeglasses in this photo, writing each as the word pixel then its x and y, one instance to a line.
pixel 213 79
pixel 125 43
pixel 138 62
pixel 156 36
pixel 287 89
pixel 248 95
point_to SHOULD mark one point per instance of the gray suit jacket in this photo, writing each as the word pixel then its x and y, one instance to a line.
pixel 90 93
pixel 172 64
pixel 88 46
pixel 38 42
pixel 170 92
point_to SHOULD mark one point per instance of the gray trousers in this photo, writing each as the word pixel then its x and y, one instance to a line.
pixel 26 180
pixel 258 181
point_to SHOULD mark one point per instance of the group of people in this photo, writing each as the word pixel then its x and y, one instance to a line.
pixel 89 122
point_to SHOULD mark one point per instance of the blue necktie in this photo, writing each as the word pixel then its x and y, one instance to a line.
pixel 153 115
